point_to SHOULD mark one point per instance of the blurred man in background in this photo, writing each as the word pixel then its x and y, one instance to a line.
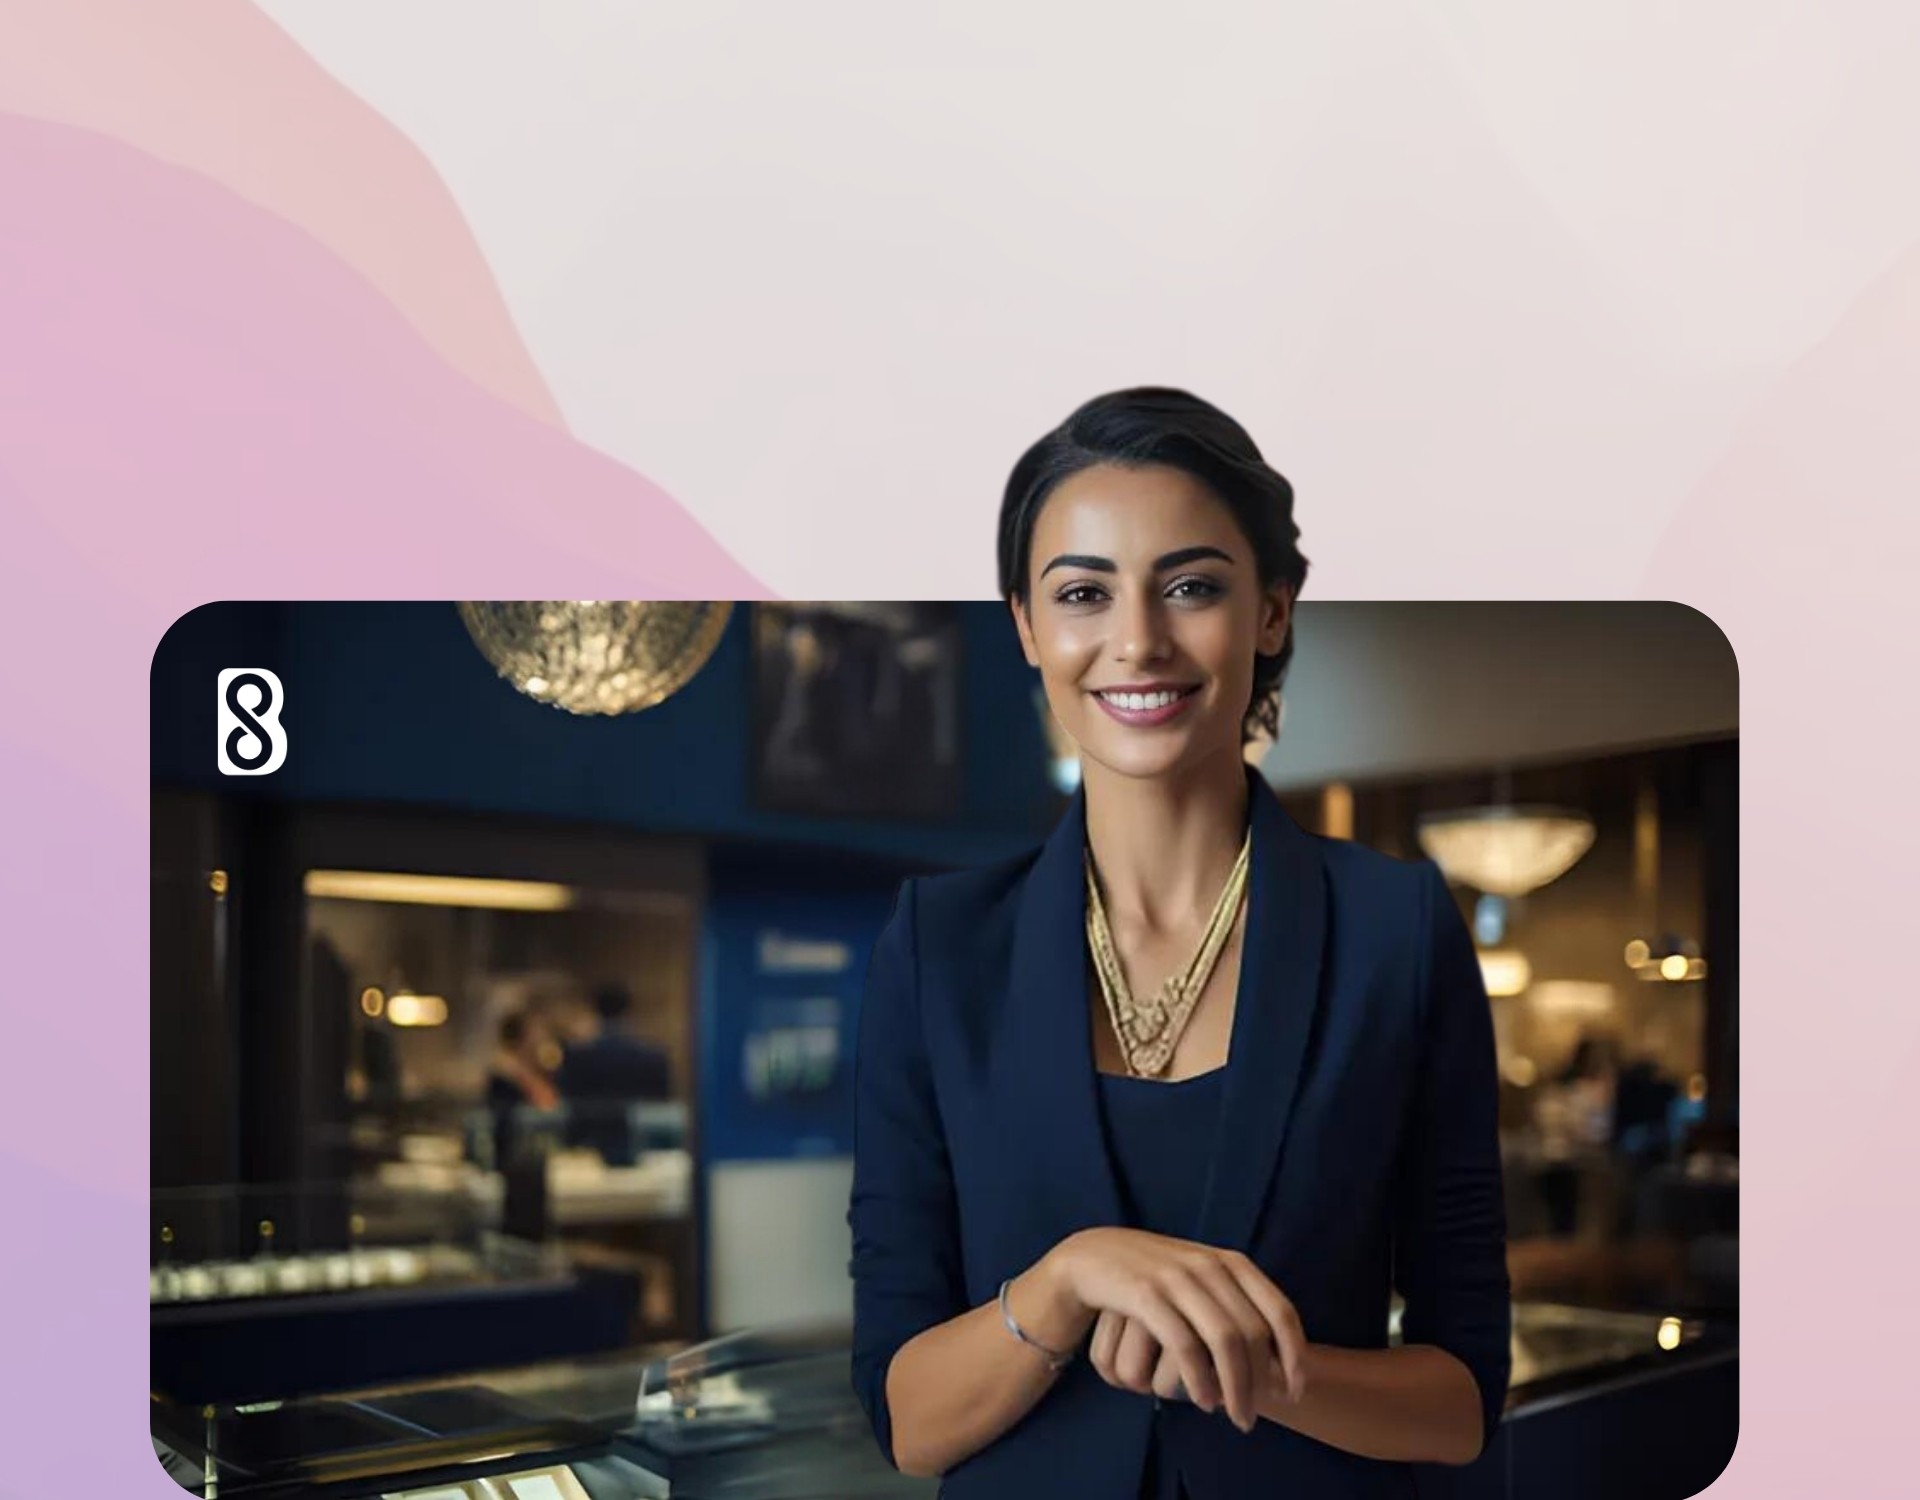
pixel 605 1072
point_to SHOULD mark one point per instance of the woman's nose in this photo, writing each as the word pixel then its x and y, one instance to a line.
pixel 1143 631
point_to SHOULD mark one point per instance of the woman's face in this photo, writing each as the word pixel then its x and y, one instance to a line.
pixel 1144 614
pixel 535 1040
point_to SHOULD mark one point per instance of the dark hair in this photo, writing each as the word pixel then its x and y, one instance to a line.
pixel 1159 425
pixel 611 1001
pixel 513 1028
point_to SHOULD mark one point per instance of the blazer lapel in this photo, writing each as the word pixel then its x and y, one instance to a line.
pixel 1274 1008
pixel 1042 1061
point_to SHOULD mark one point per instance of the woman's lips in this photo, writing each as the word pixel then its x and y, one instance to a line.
pixel 1147 710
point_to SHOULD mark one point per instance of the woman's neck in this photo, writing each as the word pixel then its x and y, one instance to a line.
pixel 1164 846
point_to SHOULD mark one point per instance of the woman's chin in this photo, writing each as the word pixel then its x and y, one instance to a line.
pixel 1142 760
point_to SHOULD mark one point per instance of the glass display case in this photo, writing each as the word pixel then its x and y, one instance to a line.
pixel 768 1414
pixel 1554 1345
pixel 224 1243
pixel 258 1294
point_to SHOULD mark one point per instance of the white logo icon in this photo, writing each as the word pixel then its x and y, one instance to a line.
pixel 252 740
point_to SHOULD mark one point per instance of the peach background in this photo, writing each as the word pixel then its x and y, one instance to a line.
pixel 339 298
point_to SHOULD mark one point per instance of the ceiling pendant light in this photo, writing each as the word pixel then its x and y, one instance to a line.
pixel 1506 851
pixel 596 656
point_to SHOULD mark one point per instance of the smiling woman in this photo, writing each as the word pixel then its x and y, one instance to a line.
pixel 1149 611
pixel 1197 479
pixel 1188 1090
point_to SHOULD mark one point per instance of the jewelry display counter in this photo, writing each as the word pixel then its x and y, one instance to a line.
pixel 261 1295
pixel 1599 1401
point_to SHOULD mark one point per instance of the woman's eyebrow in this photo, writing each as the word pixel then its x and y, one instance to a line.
pixel 1080 560
pixel 1160 565
pixel 1190 554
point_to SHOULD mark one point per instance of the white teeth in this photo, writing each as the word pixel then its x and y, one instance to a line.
pixel 1140 702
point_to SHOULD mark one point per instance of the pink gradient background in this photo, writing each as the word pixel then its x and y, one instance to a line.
pixel 1614 303
pixel 215 86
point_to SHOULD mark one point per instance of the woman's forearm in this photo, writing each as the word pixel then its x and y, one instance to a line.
pixel 956 1387
pixel 1411 1404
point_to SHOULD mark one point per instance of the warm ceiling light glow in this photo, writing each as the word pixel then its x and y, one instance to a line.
pixel 1506 851
pixel 1669 1335
pixel 1505 971
pixel 372 1000
pixel 1520 1071
pixel 437 890
pixel 1697 1087
pixel 1578 998
pixel 1674 960
pixel 1336 810
pixel 1646 841
pixel 417 1010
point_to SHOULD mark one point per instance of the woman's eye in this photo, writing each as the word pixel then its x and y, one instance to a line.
pixel 1194 588
pixel 1080 593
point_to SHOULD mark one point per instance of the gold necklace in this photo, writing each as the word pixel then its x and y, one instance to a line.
pixel 1149 1031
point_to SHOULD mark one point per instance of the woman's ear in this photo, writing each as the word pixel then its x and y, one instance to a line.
pixel 1024 626
pixel 1276 619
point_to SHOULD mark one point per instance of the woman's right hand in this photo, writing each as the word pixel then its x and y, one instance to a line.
pixel 1212 1311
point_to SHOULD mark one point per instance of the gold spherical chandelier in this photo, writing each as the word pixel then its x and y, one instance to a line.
pixel 596 656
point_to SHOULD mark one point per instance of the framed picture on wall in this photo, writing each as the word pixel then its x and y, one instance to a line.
pixel 856 709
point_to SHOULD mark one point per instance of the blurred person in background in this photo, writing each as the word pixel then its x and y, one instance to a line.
pixel 517 1079
pixel 607 1070
pixel 1643 1109
pixel 1151 1122
pixel 1574 1114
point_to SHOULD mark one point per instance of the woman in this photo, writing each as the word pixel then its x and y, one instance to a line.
pixel 517 1078
pixel 1151 1122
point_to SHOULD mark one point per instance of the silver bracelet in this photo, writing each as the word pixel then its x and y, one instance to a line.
pixel 1055 1359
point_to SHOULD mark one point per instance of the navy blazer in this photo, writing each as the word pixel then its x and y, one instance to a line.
pixel 1357 1148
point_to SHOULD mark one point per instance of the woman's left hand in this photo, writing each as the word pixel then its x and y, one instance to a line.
pixel 1127 1357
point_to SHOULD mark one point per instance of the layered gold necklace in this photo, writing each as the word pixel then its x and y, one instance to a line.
pixel 1149 1030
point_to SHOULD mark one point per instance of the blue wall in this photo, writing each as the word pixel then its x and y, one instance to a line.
pixel 780 967
pixel 393 703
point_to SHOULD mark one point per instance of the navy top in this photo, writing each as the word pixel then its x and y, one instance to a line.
pixel 1159 1136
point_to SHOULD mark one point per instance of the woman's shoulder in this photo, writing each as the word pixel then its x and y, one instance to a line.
pixel 953 903
pixel 1360 875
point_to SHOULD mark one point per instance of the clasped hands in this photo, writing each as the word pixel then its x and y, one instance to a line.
pixel 1177 1319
